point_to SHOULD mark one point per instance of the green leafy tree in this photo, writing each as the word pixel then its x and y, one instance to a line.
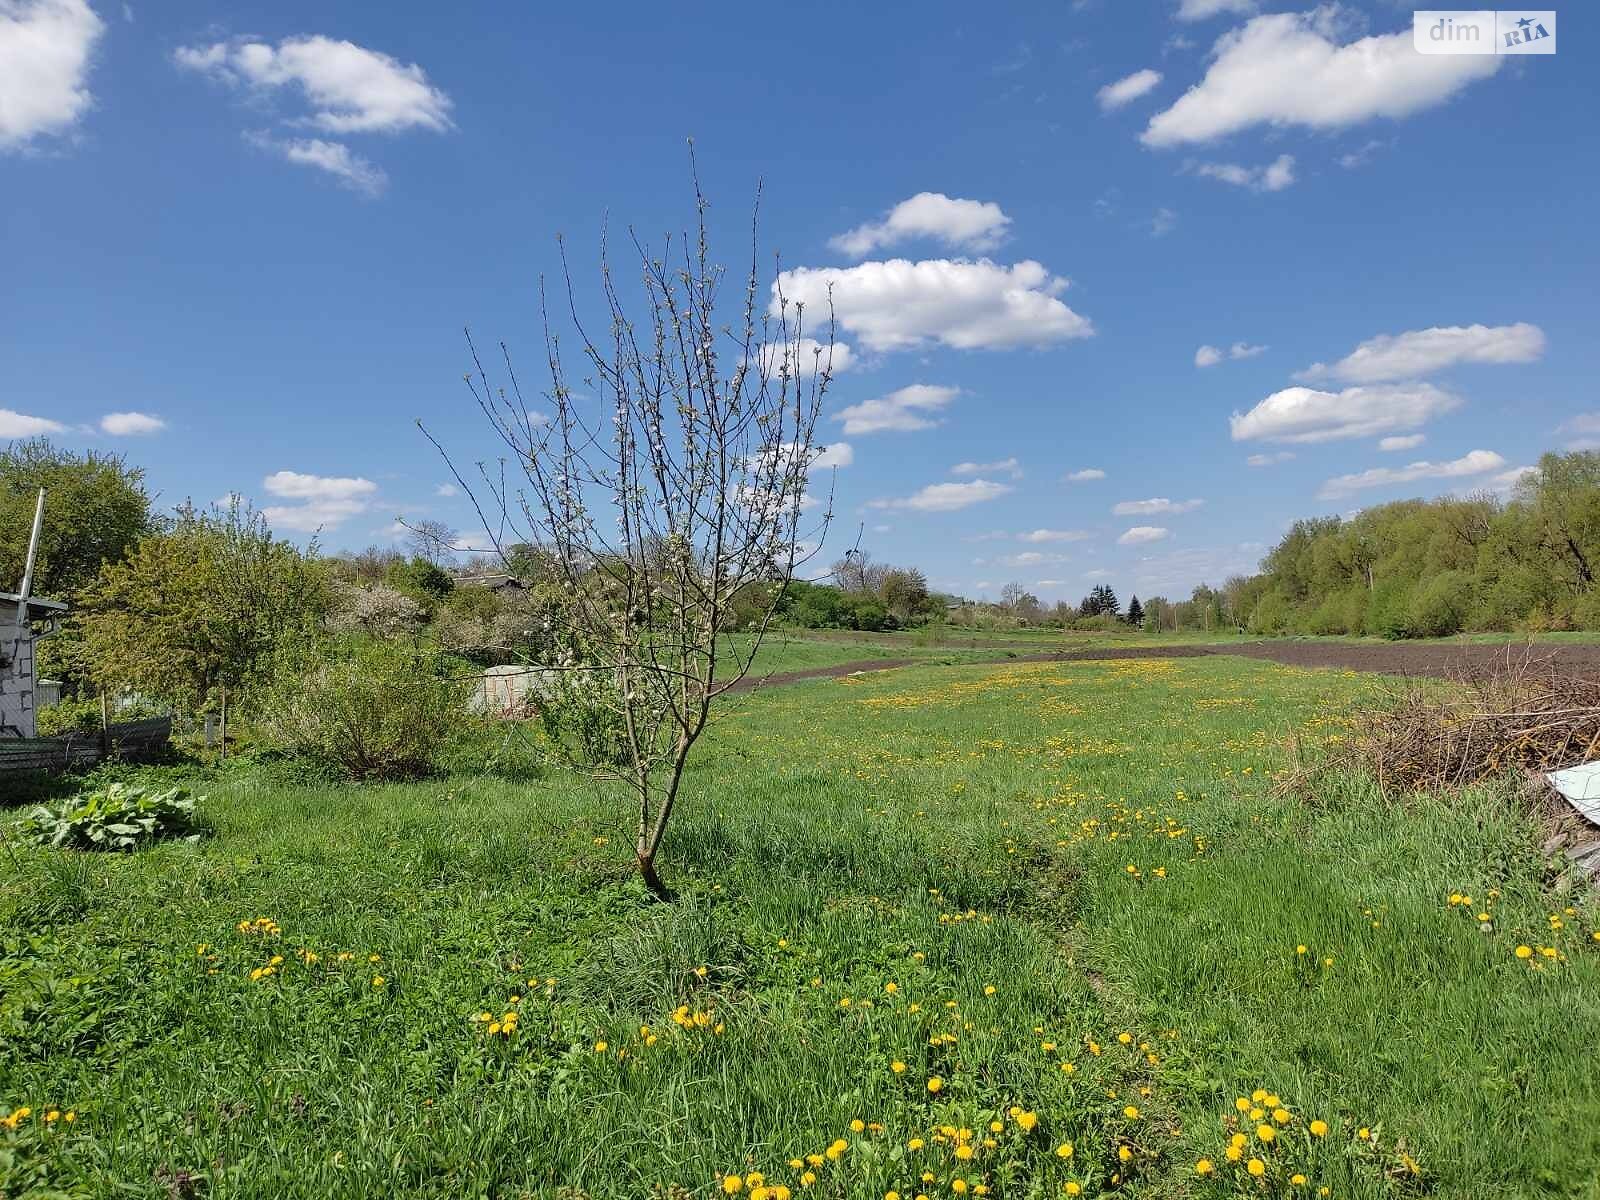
pixel 202 606
pixel 96 508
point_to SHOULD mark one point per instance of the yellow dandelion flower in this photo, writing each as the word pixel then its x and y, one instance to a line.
pixel 1256 1167
pixel 935 1084
pixel 1319 1128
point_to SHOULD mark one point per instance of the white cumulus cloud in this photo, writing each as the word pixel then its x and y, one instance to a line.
pixel 1409 441
pixel 45 51
pixel 966 305
pixel 813 356
pixel 1200 10
pixel 1210 356
pixel 320 501
pixel 1153 506
pixel 1127 89
pixel 1289 69
pixel 901 411
pixel 1005 466
pixel 1087 475
pixel 131 424
pixel 962 224
pixel 1302 414
pixel 345 165
pixel 1269 460
pixel 1053 535
pixel 349 88
pixel 1477 462
pixel 1274 177
pixel 1140 535
pixel 20 425
pixel 947 497
pixel 839 454
pixel 1421 351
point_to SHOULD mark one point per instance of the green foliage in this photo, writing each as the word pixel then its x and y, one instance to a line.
pixel 70 716
pixel 204 605
pixel 1434 568
pixel 1440 606
pixel 819 606
pixel 116 817
pixel 365 708
pixel 1389 610
pixel 425 582
pixel 582 716
pixel 95 509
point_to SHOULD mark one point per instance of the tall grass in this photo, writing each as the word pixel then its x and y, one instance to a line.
pixel 946 831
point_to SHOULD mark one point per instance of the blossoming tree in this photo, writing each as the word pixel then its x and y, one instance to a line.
pixel 665 499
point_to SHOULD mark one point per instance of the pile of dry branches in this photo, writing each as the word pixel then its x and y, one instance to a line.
pixel 1522 713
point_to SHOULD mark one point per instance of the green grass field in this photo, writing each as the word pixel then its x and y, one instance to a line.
pixel 1029 930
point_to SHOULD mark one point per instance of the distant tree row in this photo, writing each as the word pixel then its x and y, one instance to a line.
pixel 861 594
pixel 1429 568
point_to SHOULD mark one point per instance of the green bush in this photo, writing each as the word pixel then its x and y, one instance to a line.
pixel 119 816
pixel 70 716
pixel 1271 615
pixel 369 710
pixel 1340 612
pixel 1439 606
pixel 1389 612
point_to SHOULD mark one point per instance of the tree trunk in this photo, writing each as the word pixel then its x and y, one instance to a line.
pixel 652 881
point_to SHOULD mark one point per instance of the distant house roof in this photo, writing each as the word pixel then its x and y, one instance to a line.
pixel 494 583
pixel 33 602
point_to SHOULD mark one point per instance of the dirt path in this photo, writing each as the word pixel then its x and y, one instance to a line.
pixel 1434 659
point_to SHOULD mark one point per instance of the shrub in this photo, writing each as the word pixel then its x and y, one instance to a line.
pixel 1389 613
pixel 1341 612
pixel 70 716
pixel 379 710
pixel 1271 615
pixel 119 816
pixel 378 610
pixel 1586 611
pixel 1439 606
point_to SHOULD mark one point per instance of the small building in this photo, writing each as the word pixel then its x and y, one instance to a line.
pixel 18 702
pixel 496 582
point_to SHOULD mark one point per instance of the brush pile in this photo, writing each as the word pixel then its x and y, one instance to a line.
pixel 1523 713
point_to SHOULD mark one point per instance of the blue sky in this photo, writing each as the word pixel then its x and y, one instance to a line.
pixel 239 245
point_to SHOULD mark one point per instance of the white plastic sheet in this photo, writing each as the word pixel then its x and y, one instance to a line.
pixel 1581 786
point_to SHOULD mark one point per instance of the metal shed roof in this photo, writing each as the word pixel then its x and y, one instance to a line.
pixel 33 601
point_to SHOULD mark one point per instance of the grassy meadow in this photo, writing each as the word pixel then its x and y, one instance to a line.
pixel 1025 930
